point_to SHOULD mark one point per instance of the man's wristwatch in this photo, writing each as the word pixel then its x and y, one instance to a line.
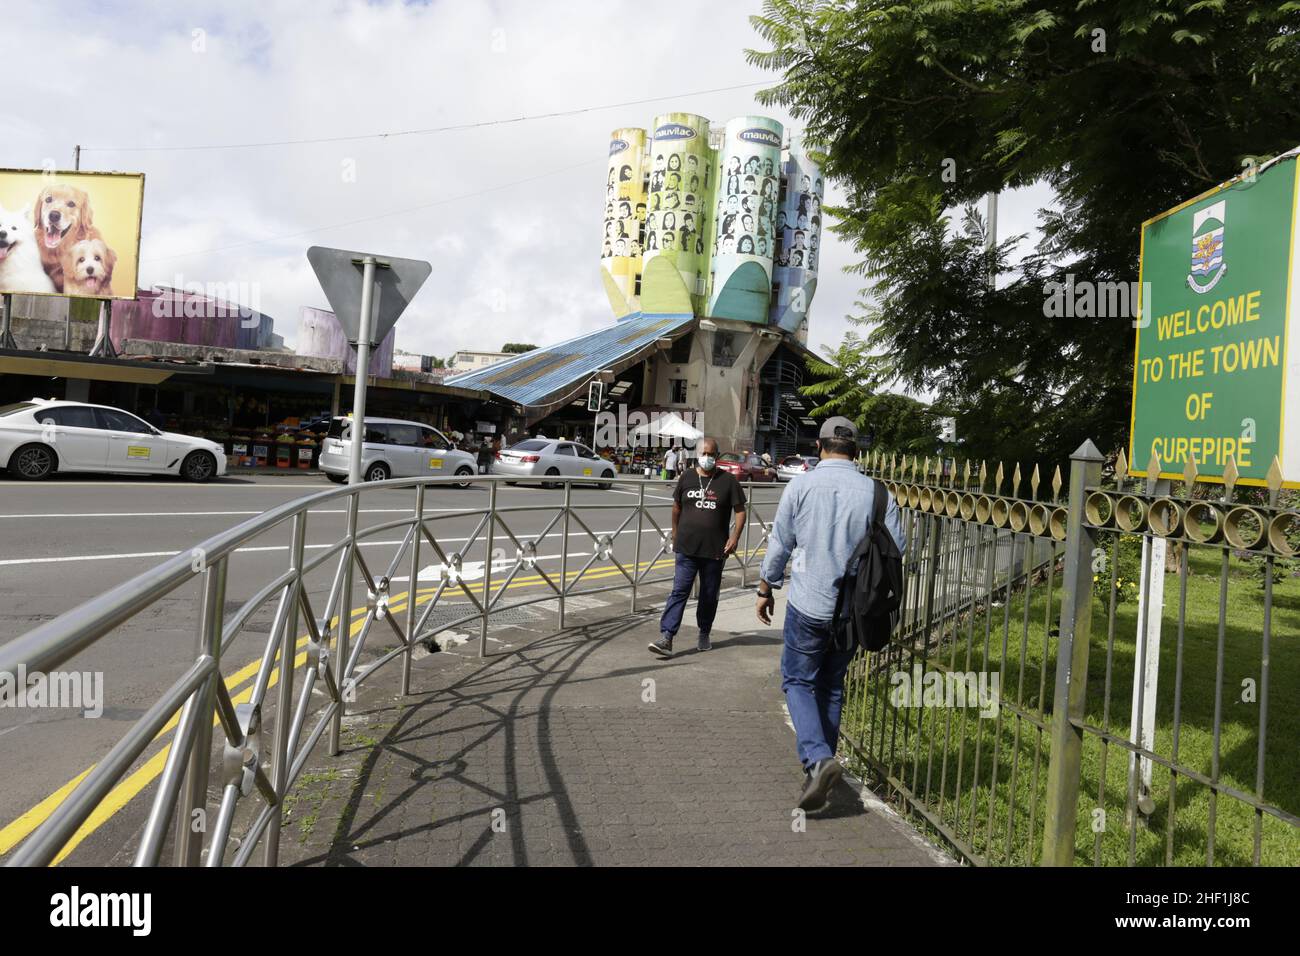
pixel 762 593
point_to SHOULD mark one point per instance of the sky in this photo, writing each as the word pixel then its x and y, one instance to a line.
pixel 510 215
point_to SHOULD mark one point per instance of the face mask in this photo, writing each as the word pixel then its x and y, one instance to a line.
pixel 707 462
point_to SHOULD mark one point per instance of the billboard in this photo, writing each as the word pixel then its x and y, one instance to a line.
pixel 625 213
pixel 1216 315
pixel 74 234
pixel 675 256
pixel 744 218
pixel 798 230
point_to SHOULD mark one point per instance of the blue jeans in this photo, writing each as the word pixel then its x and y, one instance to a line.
pixel 812 677
pixel 710 574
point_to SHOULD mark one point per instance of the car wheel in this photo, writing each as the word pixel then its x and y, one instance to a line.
pixel 337 479
pixel 551 473
pixel 198 466
pixel 606 485
pixel 377 472
pixel 465 472
pixel 32 463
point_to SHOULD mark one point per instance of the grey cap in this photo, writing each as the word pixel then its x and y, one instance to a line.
pixel 838 427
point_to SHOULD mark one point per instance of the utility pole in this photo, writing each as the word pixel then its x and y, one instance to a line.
pixel 991 241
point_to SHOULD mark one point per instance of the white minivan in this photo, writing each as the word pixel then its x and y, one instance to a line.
pixel 394 449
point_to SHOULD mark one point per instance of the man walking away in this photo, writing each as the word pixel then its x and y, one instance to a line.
pixel 704 501
pixel 824 513
pixel 670 464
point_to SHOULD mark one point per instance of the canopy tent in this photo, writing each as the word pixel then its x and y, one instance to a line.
pixel 667 425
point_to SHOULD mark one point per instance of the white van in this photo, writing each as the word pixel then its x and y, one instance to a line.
pixel 394 449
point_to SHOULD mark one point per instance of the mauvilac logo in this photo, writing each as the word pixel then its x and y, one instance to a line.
pixel 617 146
pixel 764 136
pixel 674 131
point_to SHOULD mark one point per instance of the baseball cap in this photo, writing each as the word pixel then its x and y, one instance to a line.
pixel 838 427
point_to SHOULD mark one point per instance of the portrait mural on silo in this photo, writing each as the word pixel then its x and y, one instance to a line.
pixel 679 180
pixel 744 230
pixel 798 240
pixel 625 210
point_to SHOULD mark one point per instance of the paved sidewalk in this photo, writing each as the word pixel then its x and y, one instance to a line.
pixel 579 747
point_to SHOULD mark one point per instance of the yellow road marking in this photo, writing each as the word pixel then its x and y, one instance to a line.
pixel 18 830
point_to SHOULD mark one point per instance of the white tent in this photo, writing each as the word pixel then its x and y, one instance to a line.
pixel 667 425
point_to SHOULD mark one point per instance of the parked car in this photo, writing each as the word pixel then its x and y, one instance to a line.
pixel 746 467
pixel 549 457
pixel 792 465
pixel 393 448
pixel 40 437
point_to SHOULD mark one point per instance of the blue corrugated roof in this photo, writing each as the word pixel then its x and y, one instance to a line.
pixel 547 375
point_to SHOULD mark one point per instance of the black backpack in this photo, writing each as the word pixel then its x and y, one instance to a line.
pixel 871 591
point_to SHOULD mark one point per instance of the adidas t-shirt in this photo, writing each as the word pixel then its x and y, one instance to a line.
pixel 707 504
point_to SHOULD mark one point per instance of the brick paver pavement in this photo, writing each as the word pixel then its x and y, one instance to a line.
pixel 579 747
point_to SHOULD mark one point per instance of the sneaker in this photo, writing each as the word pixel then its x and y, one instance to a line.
pixel 705 644
pixel 819 779
pixel 663 647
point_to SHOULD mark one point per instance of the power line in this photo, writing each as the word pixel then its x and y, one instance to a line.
pixel 414 132
pixel 385 215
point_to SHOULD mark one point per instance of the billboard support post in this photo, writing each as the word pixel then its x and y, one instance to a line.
pixel 103 347
pixel 6 320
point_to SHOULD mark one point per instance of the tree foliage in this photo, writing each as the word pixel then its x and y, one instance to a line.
pixel 517 347
pixel 1125 108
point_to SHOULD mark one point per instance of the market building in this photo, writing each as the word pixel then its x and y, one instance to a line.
pixel 709 257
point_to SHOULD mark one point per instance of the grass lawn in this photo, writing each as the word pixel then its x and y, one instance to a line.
pixel 948 755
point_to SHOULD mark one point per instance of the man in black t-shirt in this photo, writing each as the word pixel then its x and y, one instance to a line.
pixel 704 501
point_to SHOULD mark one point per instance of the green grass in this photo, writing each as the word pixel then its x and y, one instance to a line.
pixel 947 744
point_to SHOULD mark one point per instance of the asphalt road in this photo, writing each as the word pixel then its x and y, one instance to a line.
pixel 65 541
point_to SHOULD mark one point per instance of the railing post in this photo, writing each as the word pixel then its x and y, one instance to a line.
pixel 1071 665
pixel 744 561
pixel 413 588
pixel 487 570
pixel 636 559
pixel 280 761
pixel 342 640
pixel 189 842
pixel 564 550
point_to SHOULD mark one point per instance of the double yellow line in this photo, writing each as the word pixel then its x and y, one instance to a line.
pixel 18 830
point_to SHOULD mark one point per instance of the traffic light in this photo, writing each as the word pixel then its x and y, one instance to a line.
pixel 595 395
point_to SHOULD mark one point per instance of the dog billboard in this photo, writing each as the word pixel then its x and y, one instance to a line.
pixel 74 234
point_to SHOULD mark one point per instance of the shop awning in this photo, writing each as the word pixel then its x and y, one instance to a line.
pixel 74 366
pixel 547 378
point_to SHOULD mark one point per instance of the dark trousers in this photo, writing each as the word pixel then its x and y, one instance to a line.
pixel 709 571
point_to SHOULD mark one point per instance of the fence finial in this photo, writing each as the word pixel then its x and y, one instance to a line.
pixel 1274 477
pixel 1033 483
pixel 1230 476
pixel 984 474
pixel 965 476
pixel 1056 484
pixel 1189 475
pixel 997 480
pixel 925 474
pixel 1153 472
pixel 1015 482
pixel 1121 467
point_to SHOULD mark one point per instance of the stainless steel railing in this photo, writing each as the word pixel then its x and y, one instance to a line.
pixel 199 700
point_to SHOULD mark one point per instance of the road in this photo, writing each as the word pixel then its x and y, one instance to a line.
pixel 70 539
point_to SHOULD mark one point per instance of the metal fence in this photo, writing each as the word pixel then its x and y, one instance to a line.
pixel 263 743
pixel 1036 654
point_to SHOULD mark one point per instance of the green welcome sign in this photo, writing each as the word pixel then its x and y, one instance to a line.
pixel 1211 377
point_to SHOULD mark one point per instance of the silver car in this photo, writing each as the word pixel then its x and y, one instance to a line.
pixel 394 449
pixel 549 457
pixel 792 465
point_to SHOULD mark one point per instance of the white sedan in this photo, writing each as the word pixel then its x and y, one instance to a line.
pixel 40 437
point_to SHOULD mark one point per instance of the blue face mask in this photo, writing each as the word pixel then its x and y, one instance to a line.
pixel 707 462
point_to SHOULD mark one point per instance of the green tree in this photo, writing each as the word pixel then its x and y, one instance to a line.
pixel 1124 108
pixel 517 347
pixel 849 382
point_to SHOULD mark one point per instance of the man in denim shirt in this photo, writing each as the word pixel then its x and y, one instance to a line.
pixel 824 513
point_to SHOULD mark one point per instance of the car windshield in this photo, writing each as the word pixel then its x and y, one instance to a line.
pixel 531 444
pixel 729 456
pixel 15 407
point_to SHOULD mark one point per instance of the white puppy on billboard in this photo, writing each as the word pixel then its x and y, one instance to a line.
pixel 20 257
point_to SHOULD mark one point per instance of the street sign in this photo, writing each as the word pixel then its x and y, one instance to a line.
pixel 396 283
pixel 595 395
pixel 1217 313
pixel 367 294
